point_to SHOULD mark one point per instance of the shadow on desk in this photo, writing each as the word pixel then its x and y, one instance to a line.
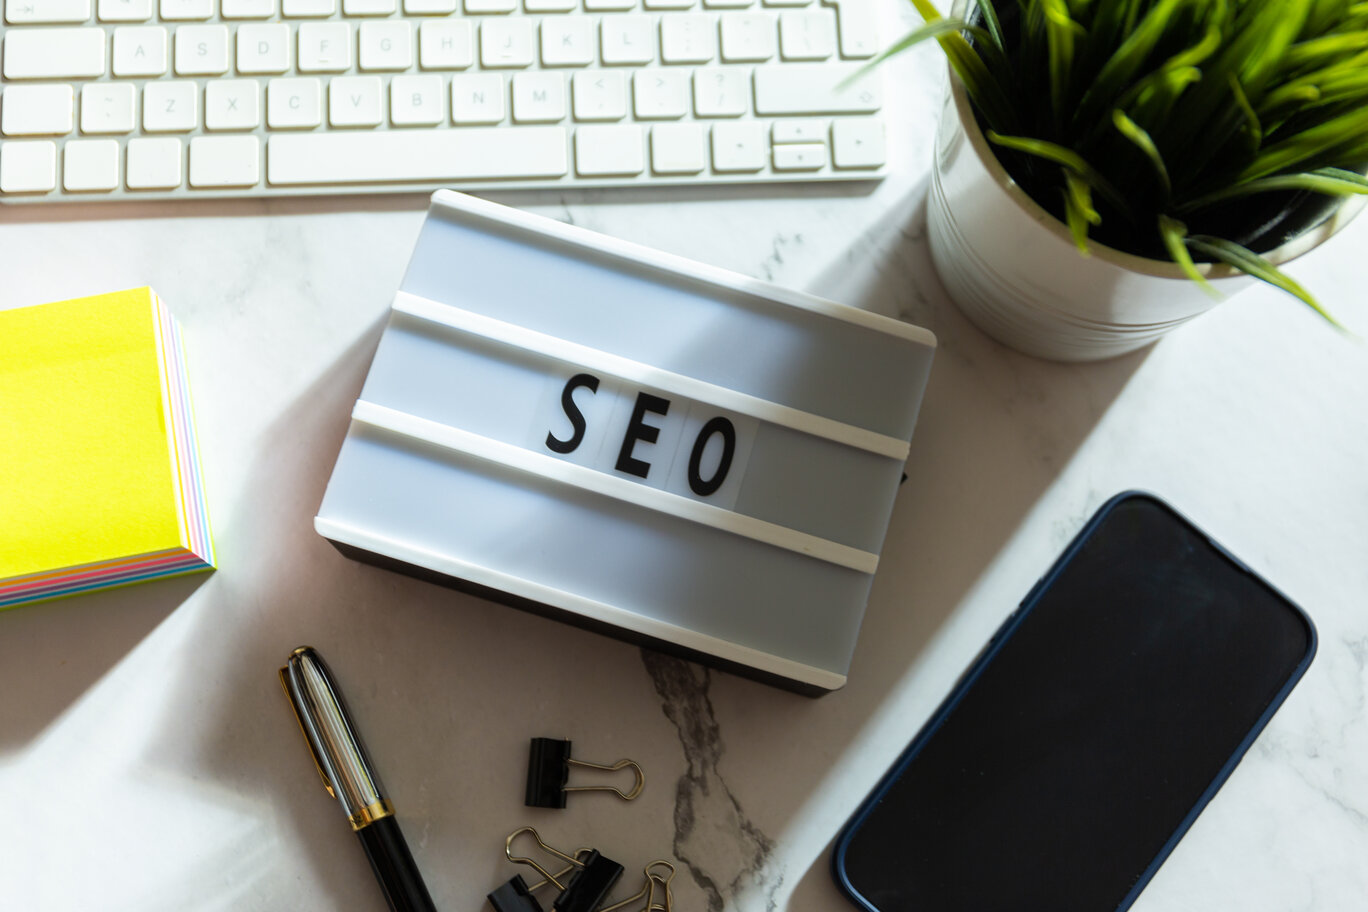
pixel 995 431
pixel 51 653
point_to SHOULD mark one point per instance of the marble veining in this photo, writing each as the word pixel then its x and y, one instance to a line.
pixel 720 847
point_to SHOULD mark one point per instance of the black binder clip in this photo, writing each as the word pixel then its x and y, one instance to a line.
pixel 655 891
pixel 592 876
pixel 516 896
pixel 548 771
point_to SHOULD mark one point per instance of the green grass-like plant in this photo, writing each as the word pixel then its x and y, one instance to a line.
pixel 1188 130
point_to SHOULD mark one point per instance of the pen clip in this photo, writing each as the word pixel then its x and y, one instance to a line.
pixel 294 708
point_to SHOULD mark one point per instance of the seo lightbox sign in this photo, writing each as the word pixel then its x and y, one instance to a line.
pixel 674 454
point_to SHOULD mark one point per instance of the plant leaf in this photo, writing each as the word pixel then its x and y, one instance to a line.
pixel 1174 235
pixel 990 19
pixel 930 30
pixel 986 91
pixel 1249 262
pixel 1141 139
pixel 1329 46
pixel 1330 181
pixel 1127 60
pixel 1060 32
pixel 1078 210
pixel 1252 125
pixel 1344 130
pixel 1061 155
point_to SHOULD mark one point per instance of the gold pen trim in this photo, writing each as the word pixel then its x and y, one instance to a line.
pixel 371 813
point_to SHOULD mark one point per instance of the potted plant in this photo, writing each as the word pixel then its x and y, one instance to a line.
pixel 1104 166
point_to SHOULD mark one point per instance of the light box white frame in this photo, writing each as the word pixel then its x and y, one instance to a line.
pixel 782 576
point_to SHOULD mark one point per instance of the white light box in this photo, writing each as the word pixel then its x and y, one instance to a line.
pixel 673 454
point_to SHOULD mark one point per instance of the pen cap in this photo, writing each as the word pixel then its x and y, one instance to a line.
pixel 337 749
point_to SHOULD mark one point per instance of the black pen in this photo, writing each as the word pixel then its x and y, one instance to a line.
pixel 349 777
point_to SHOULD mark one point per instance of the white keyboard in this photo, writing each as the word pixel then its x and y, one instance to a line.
pixel 136 99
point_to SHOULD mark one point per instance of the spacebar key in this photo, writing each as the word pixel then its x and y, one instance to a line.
pixel 438 155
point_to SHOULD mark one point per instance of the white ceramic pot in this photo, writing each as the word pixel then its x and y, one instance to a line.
pixel 1013 269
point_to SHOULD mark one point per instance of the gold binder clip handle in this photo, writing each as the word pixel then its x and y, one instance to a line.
pixel 621 764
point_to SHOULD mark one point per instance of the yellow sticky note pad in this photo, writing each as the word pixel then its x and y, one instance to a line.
pixel 99 476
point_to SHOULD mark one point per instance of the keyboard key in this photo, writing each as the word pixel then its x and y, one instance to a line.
pixel 154 164
pixel 429 7
pixel 660 94
pixel 448 44
pixel 626 40
pixel 687 38
pixel 427 155
pixel 140 51
pixel 813 89
pixel 475 7
pixel 721 91
pixel 386 45
pixel 798 131
pixel 747 36
pixel 294 104
pixel 857 143
pixel 325 47
pixel 609 150
pixel 107 107
pixel 858 28
pixel 506 43
pixel 247 9
pixel 368 7
pixel 538 97
pixel 550 6
pixel 185 10
pixel 786 2
pixel 125 10
pixel 609 6
pixel 807 34
pixel 32 12
pixel 225 161
pixel 567 41
pixel 669 4
pixel 232 104
pixel 799 157
pixel 201 50
pixel 90 164
pixel 54 53
pixel 677 148
pixel 477 98
pixel 738 147
pixel 417 101
pixel 263 48
pixel 354 101
pixel 600 95
pixel 38 110
pixel 170 106
pixel 28 167
pixel 727 4
pixel 298 9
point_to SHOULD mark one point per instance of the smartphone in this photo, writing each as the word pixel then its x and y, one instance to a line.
pixel 1093 728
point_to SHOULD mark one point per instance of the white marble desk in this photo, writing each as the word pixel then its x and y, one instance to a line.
pixel 148 759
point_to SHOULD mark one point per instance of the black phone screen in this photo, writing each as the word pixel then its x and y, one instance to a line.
pixel 1100 721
